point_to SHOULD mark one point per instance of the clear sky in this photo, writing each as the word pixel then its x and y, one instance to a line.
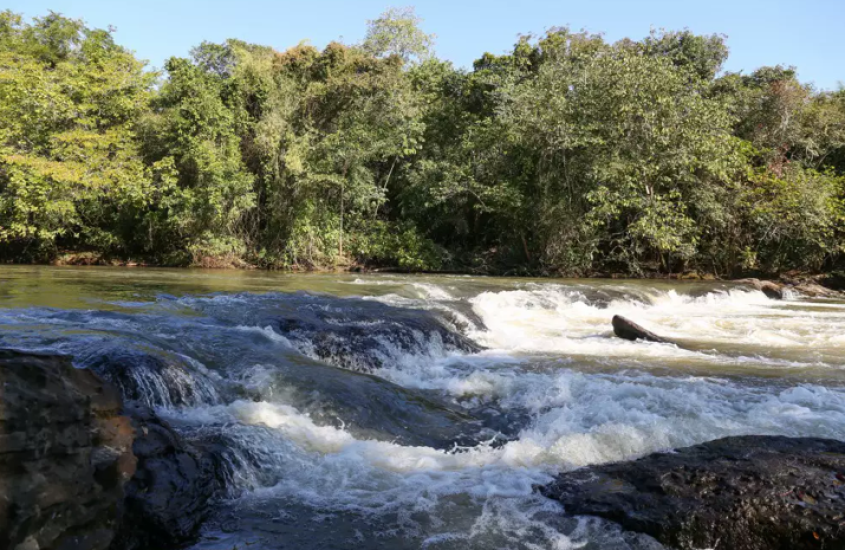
pixel 806 34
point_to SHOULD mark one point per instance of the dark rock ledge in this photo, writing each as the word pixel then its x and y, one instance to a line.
pixel 78 471
pixel 169 497
pixel 737 493
pixel 65 455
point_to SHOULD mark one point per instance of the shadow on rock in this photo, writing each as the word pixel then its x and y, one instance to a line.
pixel 170 494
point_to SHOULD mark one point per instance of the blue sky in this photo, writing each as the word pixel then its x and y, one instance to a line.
pixel 805 34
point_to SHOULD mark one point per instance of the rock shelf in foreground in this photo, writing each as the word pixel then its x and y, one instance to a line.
pixel 65 455
pixel 81 471
pixel 737 493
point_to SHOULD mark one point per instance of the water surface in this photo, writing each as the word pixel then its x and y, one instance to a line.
pixel 388 411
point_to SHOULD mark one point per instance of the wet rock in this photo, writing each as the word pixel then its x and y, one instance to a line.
pixel 742 493
pixel 814 286
pixel 65 455
pixel 629 330
pixel 370 407
pixel 364 335
pixel 170 495
pixel 153 379
pixel 771 289
pixel 814 290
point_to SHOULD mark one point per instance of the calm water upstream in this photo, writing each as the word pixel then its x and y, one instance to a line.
pixel 392 411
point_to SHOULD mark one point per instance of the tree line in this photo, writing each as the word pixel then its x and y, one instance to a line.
pixel 569 155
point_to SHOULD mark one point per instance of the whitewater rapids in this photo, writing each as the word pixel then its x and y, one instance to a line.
pixel 408 412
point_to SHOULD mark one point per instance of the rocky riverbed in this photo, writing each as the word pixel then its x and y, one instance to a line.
pixel 83 471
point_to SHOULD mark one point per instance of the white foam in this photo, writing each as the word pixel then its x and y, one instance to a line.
pixel 561 320
pixel 578 419
pixel 328 470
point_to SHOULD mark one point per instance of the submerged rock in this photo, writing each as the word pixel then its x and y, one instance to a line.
pixel 370 407
pixel 741 493
pixel 155 379
pixel 365 335
pixel 629 330
pixel 65 455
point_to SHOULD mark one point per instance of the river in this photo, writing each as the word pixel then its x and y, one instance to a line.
pixel 393 411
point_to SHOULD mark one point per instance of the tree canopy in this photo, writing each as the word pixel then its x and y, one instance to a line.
pixel 567 155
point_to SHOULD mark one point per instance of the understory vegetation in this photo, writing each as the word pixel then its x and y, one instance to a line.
pixel 568 155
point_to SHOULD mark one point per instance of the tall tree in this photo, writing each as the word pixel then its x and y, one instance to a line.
pixel 397 32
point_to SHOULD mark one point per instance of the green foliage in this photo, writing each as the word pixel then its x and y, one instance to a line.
pixel 396 246
pixel 702 56
pixel 209 189
pixel 69 161
pixel 567 155
pixel 793 218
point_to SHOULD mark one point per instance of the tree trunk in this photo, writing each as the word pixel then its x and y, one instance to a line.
pixel 342 196
pixel 340 237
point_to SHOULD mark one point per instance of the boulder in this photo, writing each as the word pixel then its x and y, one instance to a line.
pixel 629 330
pixel 65 455
pixel 742 493
pixel 79 470
pixel 772 290
pixel 364 335
pixel 815 290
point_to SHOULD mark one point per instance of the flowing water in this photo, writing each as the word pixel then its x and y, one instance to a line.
pixel 391 411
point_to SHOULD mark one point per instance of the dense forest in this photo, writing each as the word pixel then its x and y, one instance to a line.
pixel 567 155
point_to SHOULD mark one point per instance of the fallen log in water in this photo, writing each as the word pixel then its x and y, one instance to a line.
pixel 629 330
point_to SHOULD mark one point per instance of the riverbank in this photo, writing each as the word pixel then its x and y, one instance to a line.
pixel 833 280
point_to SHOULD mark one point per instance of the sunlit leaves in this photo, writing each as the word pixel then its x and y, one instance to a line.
pixel 397 32
pixel 566 155
pixel 68 99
